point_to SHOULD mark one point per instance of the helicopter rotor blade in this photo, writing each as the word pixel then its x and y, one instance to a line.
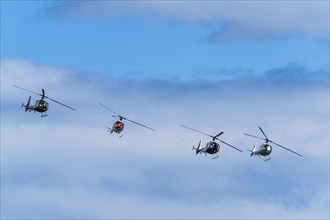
pixel 117 115
pixel 139 124
pixel 263 133
pixel 254 136
pixel 60 103
pixel 198 131
pixel 218 135
pixel 267 140
pixel 27 90
pixel 213 137
pixel 43 94
pixel 285 148
pixel 230 145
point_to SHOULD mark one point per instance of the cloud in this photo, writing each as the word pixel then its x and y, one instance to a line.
pixel 67 166
pixel 236 20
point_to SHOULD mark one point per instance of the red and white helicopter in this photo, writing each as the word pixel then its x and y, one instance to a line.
pixel 118 125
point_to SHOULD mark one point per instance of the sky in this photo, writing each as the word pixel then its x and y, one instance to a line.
pixel 214 66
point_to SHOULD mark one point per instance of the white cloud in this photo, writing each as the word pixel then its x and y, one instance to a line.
pixel 237 19
pixel 17 72
pixel 67 166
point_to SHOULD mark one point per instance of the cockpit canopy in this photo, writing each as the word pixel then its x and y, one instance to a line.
pixel 213 145
pixel 42 105
pixel 267 147
pixel 118 125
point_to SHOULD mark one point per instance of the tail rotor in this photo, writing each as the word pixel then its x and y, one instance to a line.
pixel 254 149
pixel 198 147
pixel 27 106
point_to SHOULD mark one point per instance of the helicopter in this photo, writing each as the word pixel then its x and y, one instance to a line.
pixel 265 149
pixel 40 105
pixel 211 147
pixel 118 125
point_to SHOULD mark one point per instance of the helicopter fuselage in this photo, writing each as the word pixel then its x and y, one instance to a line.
pixel 40 106
pixel 264 150
pixel 117 127
pixel 212 147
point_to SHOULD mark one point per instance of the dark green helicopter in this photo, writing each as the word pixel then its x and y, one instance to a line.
pixel 40 105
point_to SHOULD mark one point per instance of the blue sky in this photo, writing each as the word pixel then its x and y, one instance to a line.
pixel 211 65
pixel 147 40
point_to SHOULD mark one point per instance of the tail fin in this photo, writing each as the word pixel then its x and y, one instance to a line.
pixel 27 106
pixel 254 149
pixel 198 147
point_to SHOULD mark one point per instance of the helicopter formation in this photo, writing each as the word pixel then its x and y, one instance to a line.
pixel 212 147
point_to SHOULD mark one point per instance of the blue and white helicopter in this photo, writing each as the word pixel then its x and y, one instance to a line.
pixel 265 149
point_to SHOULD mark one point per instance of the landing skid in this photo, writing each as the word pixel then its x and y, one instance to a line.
pixel 110 130
pixel 268 159
pixel 215 157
